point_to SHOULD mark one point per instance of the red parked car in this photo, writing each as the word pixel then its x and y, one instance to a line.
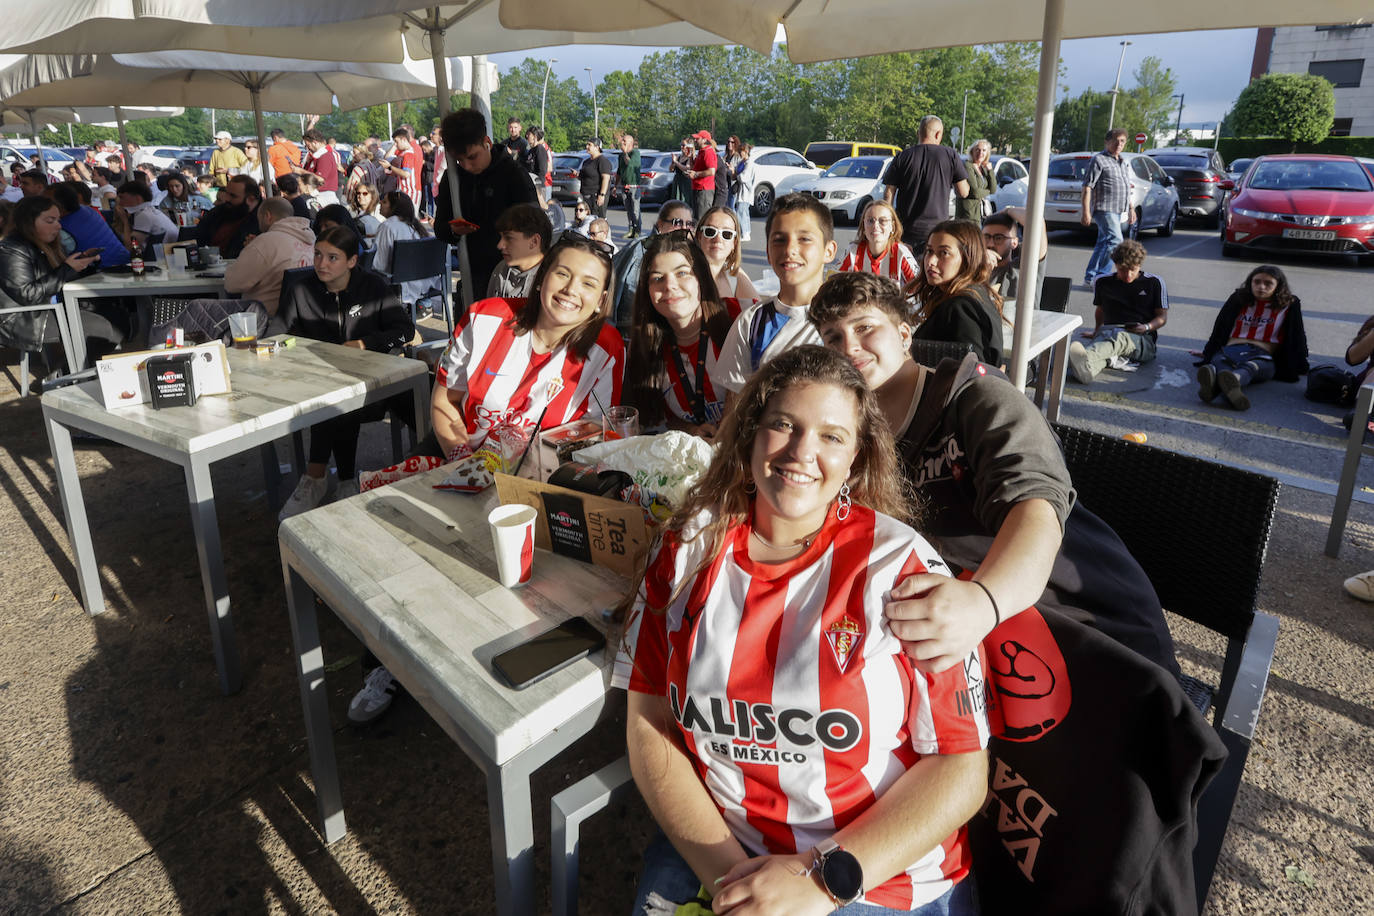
pixel 1305 203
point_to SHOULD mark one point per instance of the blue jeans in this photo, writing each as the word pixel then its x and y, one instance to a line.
pixel 668 875
pixel 632 198
pixel 1108 237
pixel 742 205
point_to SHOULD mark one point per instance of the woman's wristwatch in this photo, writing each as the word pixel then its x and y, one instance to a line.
pixel 841 874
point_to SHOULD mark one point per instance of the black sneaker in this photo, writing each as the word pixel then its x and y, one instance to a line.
pixel 1207 383
pixel 1233 390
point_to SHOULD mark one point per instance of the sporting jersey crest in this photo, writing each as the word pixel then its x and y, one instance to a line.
pixel 844 636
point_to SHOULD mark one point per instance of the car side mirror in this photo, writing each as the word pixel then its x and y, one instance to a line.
pixel 1004 180
pixel 1166 181
pixel 1226 184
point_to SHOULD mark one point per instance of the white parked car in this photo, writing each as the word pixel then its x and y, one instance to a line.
pixel 54 159
pixel 847 186
pixel 161 157
pixel 1152 192
pixel 777 170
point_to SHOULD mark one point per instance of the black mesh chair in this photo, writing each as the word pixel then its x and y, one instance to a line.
pixel 425 259
pixel 931 352
pixel 1141 491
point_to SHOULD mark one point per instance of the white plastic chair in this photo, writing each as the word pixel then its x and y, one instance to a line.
pixel 63 332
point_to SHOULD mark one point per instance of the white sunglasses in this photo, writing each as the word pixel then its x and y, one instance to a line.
pixel 710 232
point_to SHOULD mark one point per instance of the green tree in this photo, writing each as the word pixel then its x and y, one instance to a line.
pixel 1149 105
pixel 1297 107
pixel 1081 122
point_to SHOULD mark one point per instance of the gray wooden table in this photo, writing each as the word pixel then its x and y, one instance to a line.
pixel 272 397
pixel 166 282
pixel 411 571
pixel 1051 333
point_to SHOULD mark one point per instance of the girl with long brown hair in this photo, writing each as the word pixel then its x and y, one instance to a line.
pixel 842 771
pixel 954 301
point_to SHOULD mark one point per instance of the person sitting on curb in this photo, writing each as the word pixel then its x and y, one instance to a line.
pixel 1258 335
pixel 1131 307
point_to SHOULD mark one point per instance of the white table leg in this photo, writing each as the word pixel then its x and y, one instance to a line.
pixel 1058 370
pixel 76 350
pixel 324 767
pixel 205 523
pixel 512 839
pixel 1350 468
pixel 74 512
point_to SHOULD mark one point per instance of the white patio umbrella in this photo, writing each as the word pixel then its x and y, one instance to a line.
pixel 825 30
pixel 217 81
pixel 98 117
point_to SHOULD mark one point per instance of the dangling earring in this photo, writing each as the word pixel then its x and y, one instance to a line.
pixel 750 487
pixel 842 512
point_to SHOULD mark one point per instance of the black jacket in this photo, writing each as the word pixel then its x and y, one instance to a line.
pixel 484 197
pixel 969 317
pixel 26 278
pixel 367 310
pixel 1290 357
pixel 974 448
pixel 214 220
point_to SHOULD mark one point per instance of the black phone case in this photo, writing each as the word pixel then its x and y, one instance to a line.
pixel 576 626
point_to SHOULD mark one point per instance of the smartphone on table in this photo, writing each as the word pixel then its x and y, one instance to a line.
pixel 550 651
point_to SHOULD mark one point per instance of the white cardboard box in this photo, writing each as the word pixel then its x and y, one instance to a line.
pixel 124 381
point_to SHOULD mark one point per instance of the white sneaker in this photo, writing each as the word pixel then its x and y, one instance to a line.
pixel 310 492
pixel 379 688
pixel 1361 586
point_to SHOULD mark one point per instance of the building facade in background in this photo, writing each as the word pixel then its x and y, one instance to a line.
pixel 1341 53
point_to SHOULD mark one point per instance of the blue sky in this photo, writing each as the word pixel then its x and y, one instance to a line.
pixel 1210 68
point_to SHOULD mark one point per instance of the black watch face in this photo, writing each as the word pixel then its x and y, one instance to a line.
pixel 843 875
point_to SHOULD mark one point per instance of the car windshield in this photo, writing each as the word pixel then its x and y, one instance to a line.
pixel 49 155
pixel 1075 169
pixel 567 162
pixel 1176 161
pixel 854 168
pixel 1309 175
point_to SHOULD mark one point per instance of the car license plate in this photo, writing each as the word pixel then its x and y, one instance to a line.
pixel 1067 195
pixel 1311 235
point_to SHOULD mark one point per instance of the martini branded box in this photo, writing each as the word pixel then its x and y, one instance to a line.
pixel 124 377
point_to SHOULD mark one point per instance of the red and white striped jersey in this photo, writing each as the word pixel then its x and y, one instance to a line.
pixel 897 263
pixel 676 397
pixel 505 382
pixel 791 693
pixel 1260 320
pixel 409 184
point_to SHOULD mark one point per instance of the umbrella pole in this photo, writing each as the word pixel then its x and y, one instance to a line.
pixel 123 140
pixel 1029 280
pixel 37 142
pixel 436 47
pixel 268 186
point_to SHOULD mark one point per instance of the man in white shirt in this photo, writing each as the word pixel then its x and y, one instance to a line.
pixel 135 200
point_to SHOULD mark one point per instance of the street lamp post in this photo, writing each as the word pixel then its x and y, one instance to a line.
pixel 596 112
pixel 543 99
pixel 1116 86
pixel 963 119
pixel 1178 124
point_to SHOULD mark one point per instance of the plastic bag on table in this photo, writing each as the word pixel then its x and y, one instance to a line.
pixel 664 466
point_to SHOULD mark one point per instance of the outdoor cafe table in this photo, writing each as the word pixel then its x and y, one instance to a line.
pixel 1050 331
pixel 165 282
pixel 272 397
pixel 411 571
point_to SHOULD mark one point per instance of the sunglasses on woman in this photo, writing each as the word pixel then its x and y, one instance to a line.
pixel 710 232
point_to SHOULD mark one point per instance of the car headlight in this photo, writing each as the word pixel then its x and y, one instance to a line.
pixel 1262 214
pixel 1350 220
pixel 841 195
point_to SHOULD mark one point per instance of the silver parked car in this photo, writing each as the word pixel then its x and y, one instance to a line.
pixel 1152 193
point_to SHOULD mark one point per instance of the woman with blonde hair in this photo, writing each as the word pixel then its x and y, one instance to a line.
pixel 844 777
pixel 954 301
pixel 878 249
pixel 980 183
pixel 718 234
